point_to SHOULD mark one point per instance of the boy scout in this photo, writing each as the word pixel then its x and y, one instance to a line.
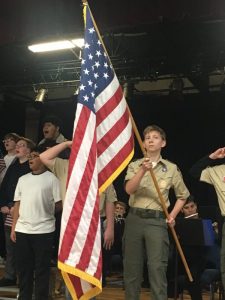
pixel 211 169
pixel 146 225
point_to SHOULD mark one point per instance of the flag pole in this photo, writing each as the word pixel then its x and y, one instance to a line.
pixel 162 201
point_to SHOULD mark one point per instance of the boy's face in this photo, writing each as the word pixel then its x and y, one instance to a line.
pixel 189 209
pixel 34 161
pixel 153 141
pixel 9 144
pixel 21 149
pixel 119 210
pixel 50 131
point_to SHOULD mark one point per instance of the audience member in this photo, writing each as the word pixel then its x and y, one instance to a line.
pixel 194 254
pixel 10 140
pixel 19 167
pixel 51 130
pixel 37 196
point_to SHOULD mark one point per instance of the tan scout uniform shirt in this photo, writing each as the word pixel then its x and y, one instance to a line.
pixel 216 176
pixel 167 175
pixel 60 169
pixel 108 195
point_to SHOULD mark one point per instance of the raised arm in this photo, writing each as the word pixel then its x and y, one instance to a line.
pixel 49 155
pixel 215 158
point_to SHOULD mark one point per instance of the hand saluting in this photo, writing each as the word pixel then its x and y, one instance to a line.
pixel 219 153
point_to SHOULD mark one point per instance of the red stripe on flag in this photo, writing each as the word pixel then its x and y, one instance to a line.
pixel 76 212
pixel 79 133
pixel 76 282
pixel 90 238
pixel 98 272
pixel 115 162
pixel 109 106
pixel 112 134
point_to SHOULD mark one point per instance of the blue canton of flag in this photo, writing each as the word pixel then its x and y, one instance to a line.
pixel 97 71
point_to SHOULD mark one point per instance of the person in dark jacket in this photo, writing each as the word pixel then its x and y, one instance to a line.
pixel 18 168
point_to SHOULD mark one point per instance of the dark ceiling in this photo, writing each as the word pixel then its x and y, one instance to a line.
pixel 145 40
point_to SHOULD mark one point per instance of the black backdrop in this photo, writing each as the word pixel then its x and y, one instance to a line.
pixel 194 125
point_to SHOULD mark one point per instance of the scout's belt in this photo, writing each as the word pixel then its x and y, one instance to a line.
pixel 147 213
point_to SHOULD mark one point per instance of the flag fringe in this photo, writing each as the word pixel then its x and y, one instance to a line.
pixel 66 270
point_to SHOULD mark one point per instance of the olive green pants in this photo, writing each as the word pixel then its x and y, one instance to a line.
pixel 150 236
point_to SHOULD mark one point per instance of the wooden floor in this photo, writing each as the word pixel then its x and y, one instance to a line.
pixel 113 291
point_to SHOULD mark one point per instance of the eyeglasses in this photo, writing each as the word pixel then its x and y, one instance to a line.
pixel 20 145
pixel 32 156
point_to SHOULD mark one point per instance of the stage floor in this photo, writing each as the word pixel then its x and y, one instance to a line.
pixel 113 291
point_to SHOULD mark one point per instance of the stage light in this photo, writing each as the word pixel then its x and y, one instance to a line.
pixel 41 95
pixel 56 45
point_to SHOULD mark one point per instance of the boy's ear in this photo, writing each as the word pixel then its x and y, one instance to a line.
pixel 164 143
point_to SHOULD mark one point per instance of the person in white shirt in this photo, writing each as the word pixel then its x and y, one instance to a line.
pixel 36 198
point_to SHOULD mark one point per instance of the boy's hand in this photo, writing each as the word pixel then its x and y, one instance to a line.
pixel 170 221
pixel 219 153
pixel 13 235
pixel 69 144
pixel 108 238
pixel 147 164
pixel 5 210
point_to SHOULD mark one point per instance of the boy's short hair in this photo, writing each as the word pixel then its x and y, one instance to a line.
pixel 30 144
pixel 52 119
pixel 12 135
pixel 190 199
pixel 155 128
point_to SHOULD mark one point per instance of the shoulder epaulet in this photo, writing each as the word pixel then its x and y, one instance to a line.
pixel 169 161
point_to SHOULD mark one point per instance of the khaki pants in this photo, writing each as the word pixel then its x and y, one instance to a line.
pixel 150 236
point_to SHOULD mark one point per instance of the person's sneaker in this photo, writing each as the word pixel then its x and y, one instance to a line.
pixel 7 282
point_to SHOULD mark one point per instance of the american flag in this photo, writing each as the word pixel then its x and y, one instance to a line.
pixel 102 147
pixel 2 162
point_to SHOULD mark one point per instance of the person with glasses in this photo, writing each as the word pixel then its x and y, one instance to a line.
pixel 10 140
pixel 37 197
pixel 19 167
